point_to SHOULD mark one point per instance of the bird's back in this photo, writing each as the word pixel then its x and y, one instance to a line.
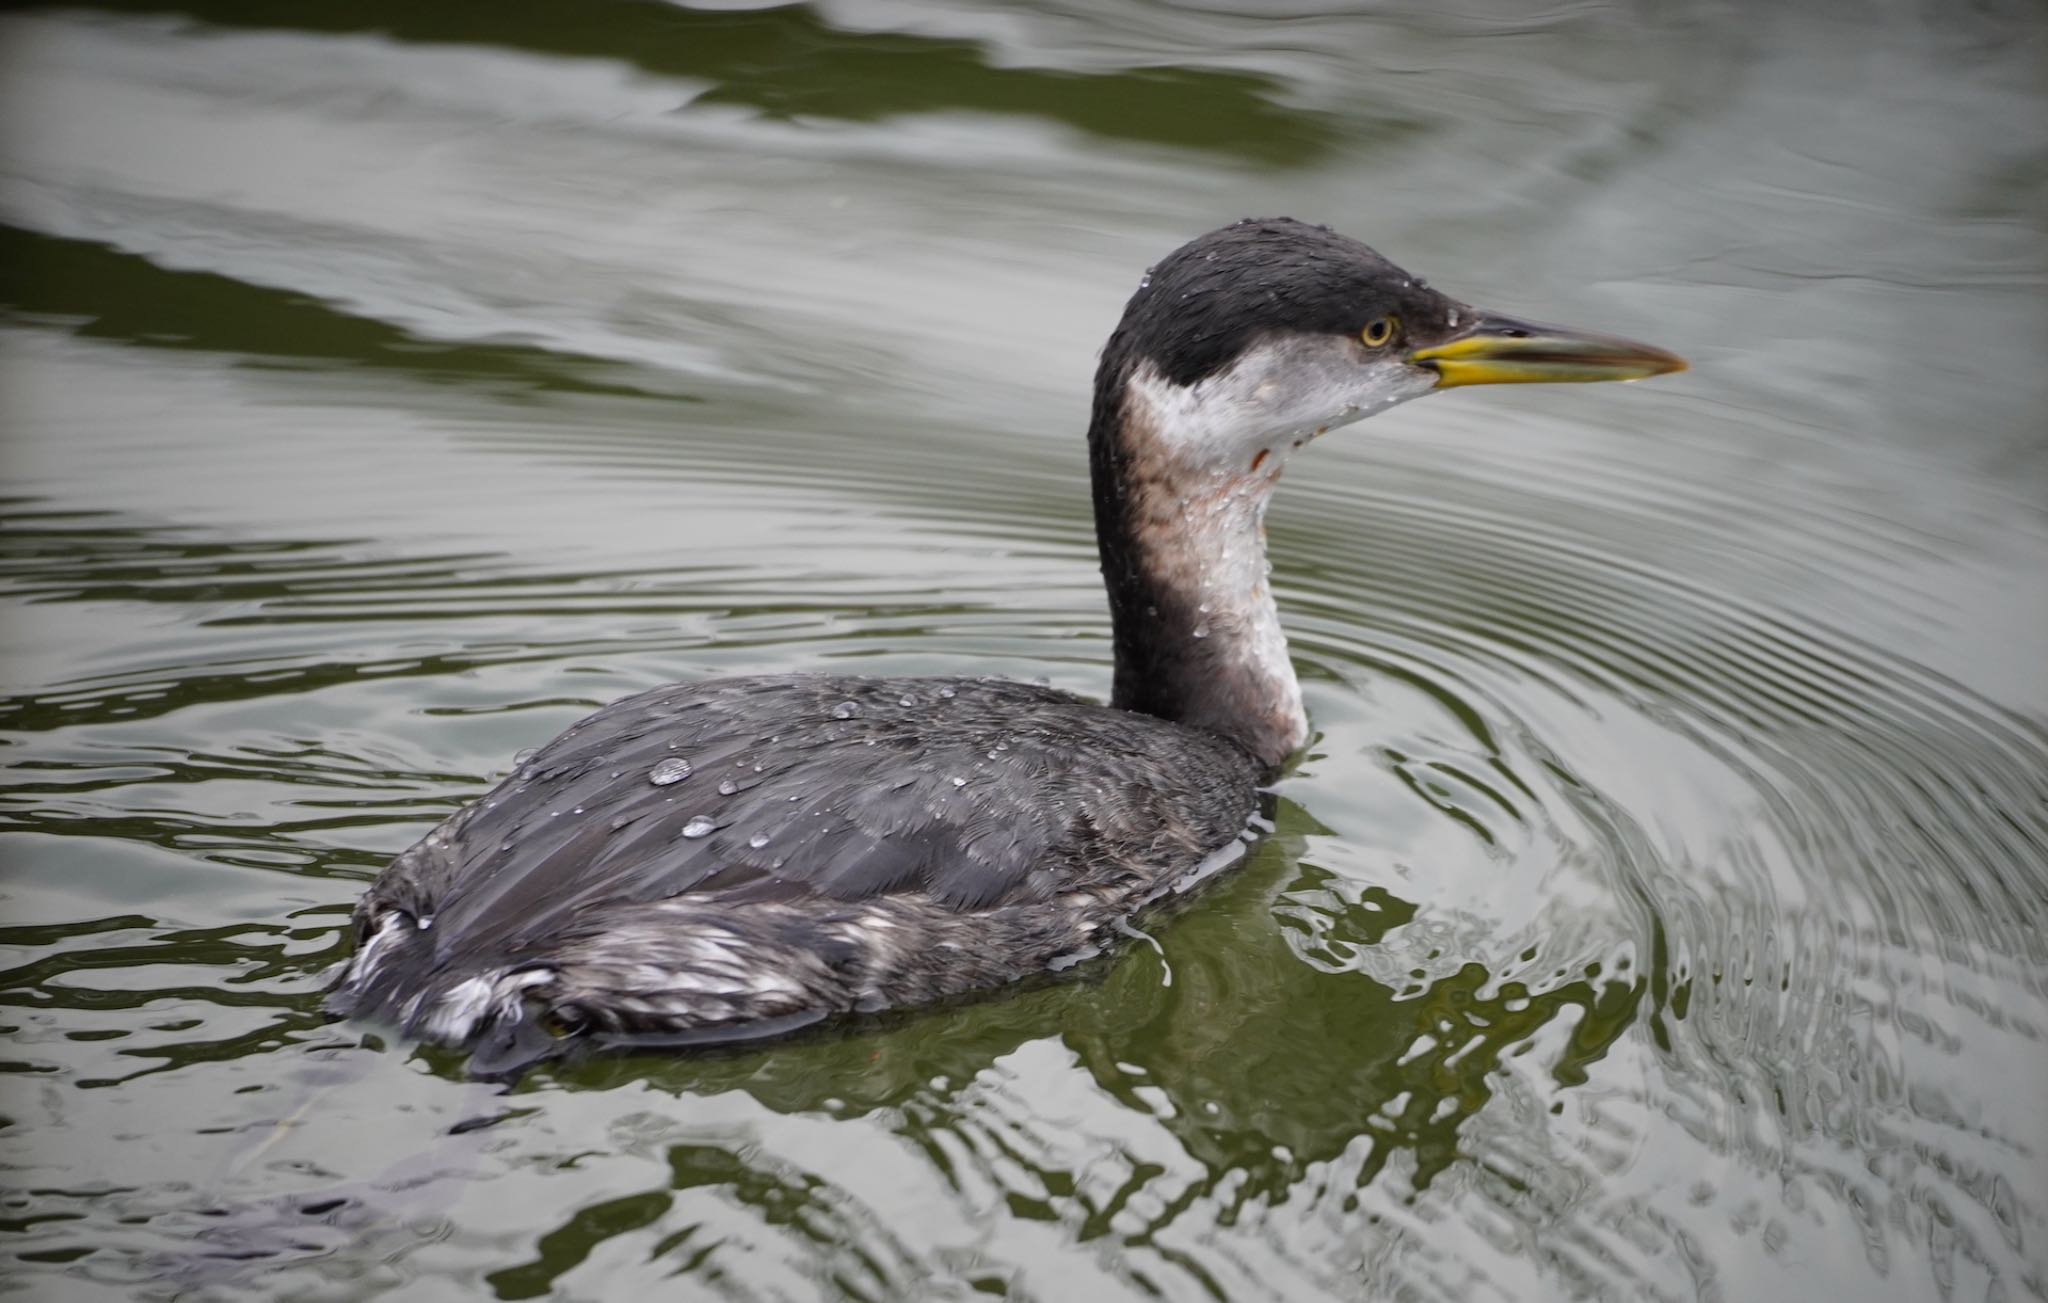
pixel 707 860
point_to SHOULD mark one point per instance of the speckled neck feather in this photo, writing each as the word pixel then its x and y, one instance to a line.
pixel 1183 543
pixel 1236 349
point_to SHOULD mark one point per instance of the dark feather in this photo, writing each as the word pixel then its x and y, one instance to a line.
pixel 976 800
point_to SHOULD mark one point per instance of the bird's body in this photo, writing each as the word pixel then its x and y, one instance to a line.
pixel 719 861
pixel 830 844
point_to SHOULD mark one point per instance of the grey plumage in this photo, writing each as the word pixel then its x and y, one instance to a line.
pixel 839 844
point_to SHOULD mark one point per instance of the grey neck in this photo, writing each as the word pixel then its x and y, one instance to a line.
pixel 1183 542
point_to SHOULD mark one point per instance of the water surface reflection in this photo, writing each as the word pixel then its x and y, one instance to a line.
pixel 1659 912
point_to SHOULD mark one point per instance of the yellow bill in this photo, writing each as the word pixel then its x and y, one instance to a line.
pixel 1499 350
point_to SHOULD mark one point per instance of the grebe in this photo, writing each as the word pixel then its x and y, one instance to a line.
pixel 723 861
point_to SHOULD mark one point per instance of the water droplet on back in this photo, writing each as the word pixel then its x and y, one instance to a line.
pixel 702 825
pixel 758 840
pixel 1201 631
pixel 909 699
pixel 959 782
pixel 727 787
pixel 946 692
pixel 672 770
pixel 846 710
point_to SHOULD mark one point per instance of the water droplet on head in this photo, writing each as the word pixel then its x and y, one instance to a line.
pixel 1201 631
pixel 524 756
pixel 909 699
pixel 846 710
pixel 702 825
pixel 758 840
pixel 946 693
pixel 959 782
pixel 672 770
pixel 727 787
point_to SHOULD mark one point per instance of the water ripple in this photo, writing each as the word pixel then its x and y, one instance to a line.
pixel 1657 913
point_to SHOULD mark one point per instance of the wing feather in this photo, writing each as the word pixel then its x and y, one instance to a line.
pixel 974 793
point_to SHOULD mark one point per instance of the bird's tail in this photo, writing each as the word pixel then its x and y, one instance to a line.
pixel 512 1014
pixel 396 977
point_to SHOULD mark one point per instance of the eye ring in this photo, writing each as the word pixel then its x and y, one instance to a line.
pixel 1379 332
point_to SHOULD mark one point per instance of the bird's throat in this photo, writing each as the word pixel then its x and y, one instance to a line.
pixel 1198 638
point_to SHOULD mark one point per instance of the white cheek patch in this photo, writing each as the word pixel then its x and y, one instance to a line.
pixel 1276 396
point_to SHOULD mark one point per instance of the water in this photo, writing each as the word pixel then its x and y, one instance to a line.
pixel 1658 913
pixel 667 773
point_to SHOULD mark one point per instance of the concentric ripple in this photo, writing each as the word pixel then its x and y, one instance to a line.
pixel 1658 913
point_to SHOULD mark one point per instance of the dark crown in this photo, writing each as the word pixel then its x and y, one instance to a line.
pixel 1218 294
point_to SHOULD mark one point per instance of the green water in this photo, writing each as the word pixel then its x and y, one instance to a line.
pixel 1658 913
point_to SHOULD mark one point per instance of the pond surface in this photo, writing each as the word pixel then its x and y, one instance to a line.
pixel 1658 913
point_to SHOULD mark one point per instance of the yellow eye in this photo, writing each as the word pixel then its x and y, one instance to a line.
pixel 1378 332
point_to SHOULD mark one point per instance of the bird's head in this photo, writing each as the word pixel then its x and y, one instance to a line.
pixel 1249 341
